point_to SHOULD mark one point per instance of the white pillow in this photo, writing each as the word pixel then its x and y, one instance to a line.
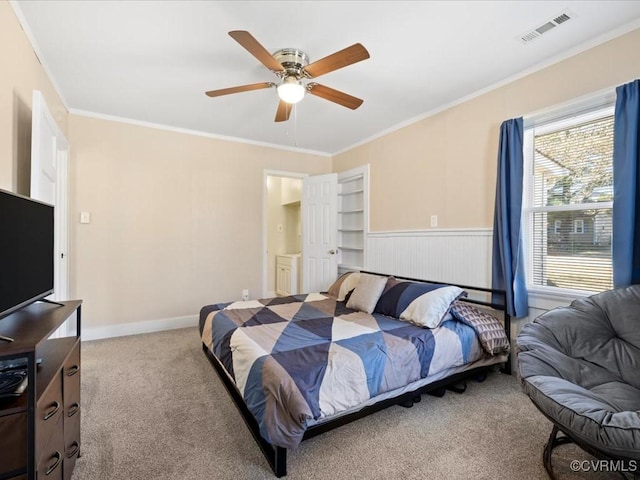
pixel 429 309
pixel 367 292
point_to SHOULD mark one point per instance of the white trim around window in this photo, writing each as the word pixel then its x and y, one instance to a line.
pixel 566 117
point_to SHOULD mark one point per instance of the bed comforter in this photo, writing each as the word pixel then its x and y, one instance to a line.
pixel 306 357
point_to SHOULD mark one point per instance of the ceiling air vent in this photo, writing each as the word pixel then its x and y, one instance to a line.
pixel 544 28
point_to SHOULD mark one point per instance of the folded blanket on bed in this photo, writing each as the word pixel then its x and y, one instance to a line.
pixel 307 357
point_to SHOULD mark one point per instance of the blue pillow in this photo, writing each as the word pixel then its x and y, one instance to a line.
pixel 422 304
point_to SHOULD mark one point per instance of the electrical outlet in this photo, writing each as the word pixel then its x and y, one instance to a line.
pixel 245 295
pixel 434 220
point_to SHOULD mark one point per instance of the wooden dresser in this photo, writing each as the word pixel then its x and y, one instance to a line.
pixel 40 429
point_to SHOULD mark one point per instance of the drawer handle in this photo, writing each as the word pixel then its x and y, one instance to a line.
pixel 73 409
pixel 72 453
pixel 73 370
pixel 58 456
pixel 55 406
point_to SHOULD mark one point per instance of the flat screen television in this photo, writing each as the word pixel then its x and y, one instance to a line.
pixel 26 251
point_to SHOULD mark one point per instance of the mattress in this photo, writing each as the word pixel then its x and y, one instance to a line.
pixel 302 360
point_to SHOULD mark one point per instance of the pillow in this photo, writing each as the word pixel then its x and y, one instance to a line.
pixel 391 282
pixel 388 302
pixel 366 294
pixel 488 328
pixel 427 304
pixel 343 285
pixel 397 298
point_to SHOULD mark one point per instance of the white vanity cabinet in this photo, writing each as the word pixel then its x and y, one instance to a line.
pixel 287 268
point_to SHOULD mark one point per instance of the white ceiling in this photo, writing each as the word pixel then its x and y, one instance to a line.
pixel 152 61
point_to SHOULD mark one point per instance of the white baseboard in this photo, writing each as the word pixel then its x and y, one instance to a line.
pixel 135 328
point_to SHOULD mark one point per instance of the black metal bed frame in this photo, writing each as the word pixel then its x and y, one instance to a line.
pixel 277 456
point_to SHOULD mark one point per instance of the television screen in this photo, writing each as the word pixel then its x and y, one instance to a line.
pixel 26 251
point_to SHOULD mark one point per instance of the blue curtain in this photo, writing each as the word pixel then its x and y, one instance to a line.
pixel 508 255
pixel 626 186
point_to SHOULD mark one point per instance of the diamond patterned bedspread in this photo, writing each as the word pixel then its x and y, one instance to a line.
pixel 307 357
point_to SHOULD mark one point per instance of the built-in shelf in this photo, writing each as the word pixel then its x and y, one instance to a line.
pixel 351 267
pixel 353 192
pixel 353 218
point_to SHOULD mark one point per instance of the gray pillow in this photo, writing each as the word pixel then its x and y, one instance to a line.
pixel 489 329
pixel 367 292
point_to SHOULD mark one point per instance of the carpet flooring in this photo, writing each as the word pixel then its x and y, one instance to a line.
pixel 153 408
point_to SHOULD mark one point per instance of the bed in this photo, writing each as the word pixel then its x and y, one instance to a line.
pixel 301 365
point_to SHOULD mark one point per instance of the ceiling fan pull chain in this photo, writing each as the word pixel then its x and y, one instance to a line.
pixel 295 125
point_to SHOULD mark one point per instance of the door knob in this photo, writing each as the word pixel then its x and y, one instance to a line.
pixel 333 252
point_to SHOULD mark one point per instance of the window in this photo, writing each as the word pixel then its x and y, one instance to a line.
pixel 578 226
pixel 567 204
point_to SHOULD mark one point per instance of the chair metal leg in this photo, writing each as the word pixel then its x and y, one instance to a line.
pixel 546 455
pixel 553 442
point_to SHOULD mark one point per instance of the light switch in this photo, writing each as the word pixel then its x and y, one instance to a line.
pixel 279 227
pixel 85 217
pixel 434 220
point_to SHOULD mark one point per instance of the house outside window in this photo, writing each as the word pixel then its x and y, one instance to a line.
pixel 567 203
pixel 578 226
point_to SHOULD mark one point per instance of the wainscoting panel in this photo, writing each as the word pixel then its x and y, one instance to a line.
pixel 460 256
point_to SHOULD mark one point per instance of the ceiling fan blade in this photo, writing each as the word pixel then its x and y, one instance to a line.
pixel 283 112
pixel 243 88
pixel 335 96
pixel 256 49
pixel 348 56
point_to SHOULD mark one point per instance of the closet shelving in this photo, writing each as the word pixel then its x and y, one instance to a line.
pixel 352 218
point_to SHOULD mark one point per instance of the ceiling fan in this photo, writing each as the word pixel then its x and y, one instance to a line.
pixel 291 66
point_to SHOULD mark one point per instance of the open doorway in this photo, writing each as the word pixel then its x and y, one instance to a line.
pixel 282 233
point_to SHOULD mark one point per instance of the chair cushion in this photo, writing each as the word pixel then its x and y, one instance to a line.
pixel 580 365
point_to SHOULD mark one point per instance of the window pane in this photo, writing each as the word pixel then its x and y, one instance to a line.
pixel 574 165
pixel 572 249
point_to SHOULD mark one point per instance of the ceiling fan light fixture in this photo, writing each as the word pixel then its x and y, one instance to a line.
pixel 291 90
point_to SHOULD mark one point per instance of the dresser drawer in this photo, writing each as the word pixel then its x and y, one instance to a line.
pixel 71 391
pixel 71 443
pixel 48 412
pixel 51 463
pixel 71 378
pixel 72 431
pixel 13 442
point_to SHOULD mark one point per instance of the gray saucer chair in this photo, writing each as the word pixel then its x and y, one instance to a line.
pixel 580 366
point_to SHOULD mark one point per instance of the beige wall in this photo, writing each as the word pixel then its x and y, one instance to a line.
pixel 176 220
pixel 445 165
pixel 21 73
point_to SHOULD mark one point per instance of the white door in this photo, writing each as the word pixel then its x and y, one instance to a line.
pixel 319 232
pixel 49 158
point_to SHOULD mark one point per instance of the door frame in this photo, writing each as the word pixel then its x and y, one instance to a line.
pixel 41 113
pixel 265 256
